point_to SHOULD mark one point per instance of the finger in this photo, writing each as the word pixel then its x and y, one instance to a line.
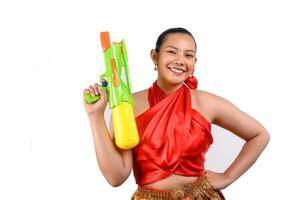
pixel 103 93
pixel 91 89
pixel 100 91
pixel 96 86
pixel 86 91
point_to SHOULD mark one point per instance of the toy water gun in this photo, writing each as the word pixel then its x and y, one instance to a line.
pixel 118 87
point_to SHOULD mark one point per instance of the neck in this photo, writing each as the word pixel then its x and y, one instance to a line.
pixel 167 87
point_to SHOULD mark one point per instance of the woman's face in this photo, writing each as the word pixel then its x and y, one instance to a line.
pixel 176 58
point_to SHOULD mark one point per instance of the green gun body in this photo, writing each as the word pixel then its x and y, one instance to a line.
pixel 118 89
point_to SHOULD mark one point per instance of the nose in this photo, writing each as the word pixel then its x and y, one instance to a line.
pixel 180 59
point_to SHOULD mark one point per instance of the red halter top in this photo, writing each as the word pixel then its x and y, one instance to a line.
pixel 174 138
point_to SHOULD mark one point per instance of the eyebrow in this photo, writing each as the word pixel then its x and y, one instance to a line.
pixel 177 48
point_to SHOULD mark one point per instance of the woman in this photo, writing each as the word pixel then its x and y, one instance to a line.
pixel 174 122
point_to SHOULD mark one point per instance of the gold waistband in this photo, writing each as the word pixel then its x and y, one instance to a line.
pixel 199 189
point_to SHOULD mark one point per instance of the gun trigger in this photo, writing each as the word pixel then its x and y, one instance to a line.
pixel 104 83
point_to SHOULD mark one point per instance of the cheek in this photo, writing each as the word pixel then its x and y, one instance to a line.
pixel 191 67
pixel 166 59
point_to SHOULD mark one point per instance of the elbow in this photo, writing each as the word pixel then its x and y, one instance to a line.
pixel 265 138
pixel 267 135
pixel 115 181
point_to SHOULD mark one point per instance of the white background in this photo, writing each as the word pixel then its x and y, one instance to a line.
pixel 248 52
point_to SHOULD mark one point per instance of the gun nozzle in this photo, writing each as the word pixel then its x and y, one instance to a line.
pixel 105 40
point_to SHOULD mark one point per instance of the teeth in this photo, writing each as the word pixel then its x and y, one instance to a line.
pixel 176 70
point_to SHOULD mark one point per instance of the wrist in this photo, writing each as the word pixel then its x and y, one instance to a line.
pixel 230 179
pixel 96 116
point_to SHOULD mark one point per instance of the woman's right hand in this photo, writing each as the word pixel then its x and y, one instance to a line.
pixel 98 108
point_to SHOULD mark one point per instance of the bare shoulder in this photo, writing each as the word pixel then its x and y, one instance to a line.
pixel 207 98
pixel 140 94
pixel 214 104
pixel 227 115
pixel 202 101
pixel 140 99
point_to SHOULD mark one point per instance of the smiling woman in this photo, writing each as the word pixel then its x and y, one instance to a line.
pixel 174 124
pixel 175 57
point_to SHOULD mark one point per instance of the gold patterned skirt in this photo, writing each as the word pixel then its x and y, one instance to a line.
pixel 198 190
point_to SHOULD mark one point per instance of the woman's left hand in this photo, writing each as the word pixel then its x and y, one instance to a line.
pixel 218 180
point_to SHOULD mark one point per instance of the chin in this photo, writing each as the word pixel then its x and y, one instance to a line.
pixel 176 81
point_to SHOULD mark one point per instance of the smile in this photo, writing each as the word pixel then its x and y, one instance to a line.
pixel 176 70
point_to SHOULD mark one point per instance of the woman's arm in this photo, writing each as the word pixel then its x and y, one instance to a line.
pixel 228 116
pixel 115 164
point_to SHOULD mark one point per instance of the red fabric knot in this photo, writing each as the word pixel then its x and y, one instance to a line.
pixel 191 81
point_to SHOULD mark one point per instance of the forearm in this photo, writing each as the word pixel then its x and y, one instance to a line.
pixel 109 159
pixel 247 156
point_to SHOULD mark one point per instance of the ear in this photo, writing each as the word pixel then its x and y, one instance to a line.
pixel 154 56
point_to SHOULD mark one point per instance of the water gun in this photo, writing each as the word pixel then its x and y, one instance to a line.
pixel 118 87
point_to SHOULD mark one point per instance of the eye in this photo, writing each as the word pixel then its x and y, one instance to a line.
pixel 171 51
pixel 189 55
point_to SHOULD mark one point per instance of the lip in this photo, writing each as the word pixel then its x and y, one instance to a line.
pixel 176 68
